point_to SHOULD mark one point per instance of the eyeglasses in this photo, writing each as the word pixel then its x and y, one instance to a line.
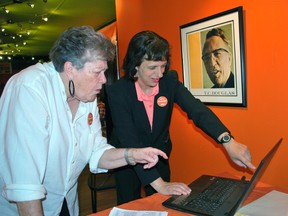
pixel 216 53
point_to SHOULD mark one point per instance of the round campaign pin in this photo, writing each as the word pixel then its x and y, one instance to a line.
pixel 162 101
pixel 90 118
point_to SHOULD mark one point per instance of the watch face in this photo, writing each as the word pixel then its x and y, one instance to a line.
pixel 226 138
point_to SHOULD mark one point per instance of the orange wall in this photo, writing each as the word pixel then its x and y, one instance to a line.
pixel 265 118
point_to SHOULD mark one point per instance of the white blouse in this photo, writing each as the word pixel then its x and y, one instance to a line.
pixel 42 151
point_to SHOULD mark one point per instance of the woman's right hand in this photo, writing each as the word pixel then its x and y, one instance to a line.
pixel 170 188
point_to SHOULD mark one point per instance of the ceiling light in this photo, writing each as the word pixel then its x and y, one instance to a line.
pixel 45 19
pixel 31 5
pixel 2 29
pixel 5 10
pixel 9 21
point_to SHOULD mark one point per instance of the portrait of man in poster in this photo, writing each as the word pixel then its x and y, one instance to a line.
pixel 217 58
pixel 213 58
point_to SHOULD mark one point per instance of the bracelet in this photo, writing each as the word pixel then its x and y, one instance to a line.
pixel 127 159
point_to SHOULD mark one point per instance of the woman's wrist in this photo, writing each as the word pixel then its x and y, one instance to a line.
pixel 129 157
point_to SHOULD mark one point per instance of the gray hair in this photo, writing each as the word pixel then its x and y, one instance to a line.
pixel 79 45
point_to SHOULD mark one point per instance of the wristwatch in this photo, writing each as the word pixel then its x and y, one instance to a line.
pixel 226 138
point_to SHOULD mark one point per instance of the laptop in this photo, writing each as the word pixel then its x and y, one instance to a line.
pixel 218 196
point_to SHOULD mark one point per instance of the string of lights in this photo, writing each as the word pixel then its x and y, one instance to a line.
pixel 31 27
pixel 19 23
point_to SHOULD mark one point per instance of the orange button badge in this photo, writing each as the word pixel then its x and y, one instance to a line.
pixel 90 118
pixel 162 101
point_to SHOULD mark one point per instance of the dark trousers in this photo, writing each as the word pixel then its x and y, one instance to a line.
pixel 64 210
pixel 128 185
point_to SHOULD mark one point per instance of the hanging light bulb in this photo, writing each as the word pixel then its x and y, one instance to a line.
pixel 30 4
pixel 5 10
pixel 45 19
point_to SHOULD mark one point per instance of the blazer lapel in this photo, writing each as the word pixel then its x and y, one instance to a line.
pixel 161 107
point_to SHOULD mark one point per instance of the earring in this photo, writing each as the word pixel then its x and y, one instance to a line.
pixel 135 76
pixel 71 88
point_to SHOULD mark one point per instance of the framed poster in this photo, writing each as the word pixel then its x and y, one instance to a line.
pixel 213 58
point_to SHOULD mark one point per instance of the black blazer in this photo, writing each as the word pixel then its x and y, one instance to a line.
pixel 131 126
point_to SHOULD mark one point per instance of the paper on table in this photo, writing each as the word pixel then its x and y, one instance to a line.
pixel 273 203
pixel 123 212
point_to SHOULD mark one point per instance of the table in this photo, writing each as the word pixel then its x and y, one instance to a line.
pixel 154 202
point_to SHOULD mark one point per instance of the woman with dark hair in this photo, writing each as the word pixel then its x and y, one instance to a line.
pixel 141 105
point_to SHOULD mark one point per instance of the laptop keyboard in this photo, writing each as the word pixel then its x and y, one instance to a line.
pixel 212 197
